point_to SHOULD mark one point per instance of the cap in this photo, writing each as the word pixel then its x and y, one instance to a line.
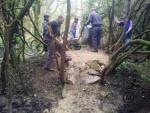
pixel 46 14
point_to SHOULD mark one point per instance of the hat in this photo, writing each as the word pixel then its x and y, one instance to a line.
pixel 46 14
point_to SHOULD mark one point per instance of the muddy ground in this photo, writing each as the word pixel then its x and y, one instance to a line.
pixel 82 93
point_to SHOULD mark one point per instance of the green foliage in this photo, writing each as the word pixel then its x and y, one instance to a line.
pixel 1 42
pixel 16 37
pixel 123 66
pixel 142 68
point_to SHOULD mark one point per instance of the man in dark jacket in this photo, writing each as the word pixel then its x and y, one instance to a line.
pixel 96 22
pixel 54 42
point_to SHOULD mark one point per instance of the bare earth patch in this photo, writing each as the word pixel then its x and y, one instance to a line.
pixel 81 96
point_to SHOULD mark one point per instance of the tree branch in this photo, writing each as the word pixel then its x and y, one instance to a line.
pixel 136 41
pixel 34 25
pixel 31 34
pixel 142 52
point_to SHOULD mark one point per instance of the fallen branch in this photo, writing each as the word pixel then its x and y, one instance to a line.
pixel 142 52
pixel 136 41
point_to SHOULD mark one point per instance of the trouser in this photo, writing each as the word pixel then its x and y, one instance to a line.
pixel 128 39
pixel 73 34
pixel 52 48
pixel 49 63
pixel 96 36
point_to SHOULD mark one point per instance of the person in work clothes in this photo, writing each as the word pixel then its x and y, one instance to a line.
pixel 73 28
pixel 45 29
pixel 127 25
pixel 96 22
pixel 54 43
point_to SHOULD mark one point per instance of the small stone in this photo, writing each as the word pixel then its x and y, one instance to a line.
pixel 46 111
pixel 102 68
pixel 83 89
pixel 103 93
pixel 89 79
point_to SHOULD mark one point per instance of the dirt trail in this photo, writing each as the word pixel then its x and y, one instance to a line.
pixel 85 55
pixel 82 97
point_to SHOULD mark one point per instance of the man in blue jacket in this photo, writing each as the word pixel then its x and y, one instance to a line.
pixel 95 20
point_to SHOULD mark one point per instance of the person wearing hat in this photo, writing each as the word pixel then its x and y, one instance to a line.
pixel 95 20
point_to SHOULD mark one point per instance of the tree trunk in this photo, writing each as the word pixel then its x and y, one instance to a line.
pixel 8 33
pixel 119 56
pixel 111 19
pixel 65 37
pixel 128 7
pixel 62 66
pixel 36 9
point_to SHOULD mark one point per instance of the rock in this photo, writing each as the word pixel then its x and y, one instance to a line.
pixel 92 72
pixel 102 68
pixel 82 66
pixel 93 65
pixel 72 75
pixel 104 94
pixel 89 79
pixel 46 111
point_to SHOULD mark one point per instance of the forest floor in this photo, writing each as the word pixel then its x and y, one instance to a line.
pixel 82 93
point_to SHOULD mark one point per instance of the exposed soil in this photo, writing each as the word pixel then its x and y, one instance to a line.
pixel 82 94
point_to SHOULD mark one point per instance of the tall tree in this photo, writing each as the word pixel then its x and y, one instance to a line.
pixel 9 25
pixel 111 19
pixel 65 37
pixel 123 51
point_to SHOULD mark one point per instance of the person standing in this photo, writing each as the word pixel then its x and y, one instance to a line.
pixel 45 29
pixel 127 26
pixel 54 42
pixel 73 28
pixel 95 20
